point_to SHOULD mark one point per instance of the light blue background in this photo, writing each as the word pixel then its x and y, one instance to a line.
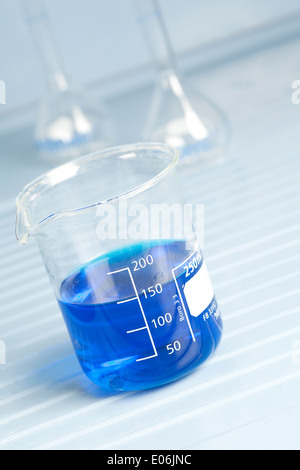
pixel 100 39
pixel 247 397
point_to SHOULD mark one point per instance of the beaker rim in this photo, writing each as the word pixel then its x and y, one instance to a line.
pixel 24 229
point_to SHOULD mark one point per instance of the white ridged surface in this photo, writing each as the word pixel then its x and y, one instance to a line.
pixel 247 396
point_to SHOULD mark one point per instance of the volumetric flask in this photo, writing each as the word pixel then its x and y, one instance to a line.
pixel 125 264
pixel 179 115
pixel 71 121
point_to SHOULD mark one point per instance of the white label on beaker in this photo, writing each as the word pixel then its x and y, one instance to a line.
pixel 199 292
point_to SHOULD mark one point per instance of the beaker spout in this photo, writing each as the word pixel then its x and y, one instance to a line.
pixel 22 226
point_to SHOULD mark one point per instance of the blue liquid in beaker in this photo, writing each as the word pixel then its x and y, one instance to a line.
pixel 129 320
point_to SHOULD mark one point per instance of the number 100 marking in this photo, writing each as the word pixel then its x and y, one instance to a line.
pixel 162 320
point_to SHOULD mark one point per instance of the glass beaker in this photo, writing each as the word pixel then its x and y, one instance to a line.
pixel 125 264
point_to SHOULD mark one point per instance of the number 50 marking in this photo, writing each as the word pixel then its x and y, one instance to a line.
pixel 176 346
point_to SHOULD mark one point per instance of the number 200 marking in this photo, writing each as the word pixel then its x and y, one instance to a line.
pixel 142 262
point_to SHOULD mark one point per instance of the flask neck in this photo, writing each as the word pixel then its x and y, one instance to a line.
pixel 37 19
pixel 156 36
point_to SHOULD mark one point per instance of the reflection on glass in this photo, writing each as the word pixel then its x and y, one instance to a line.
pixel 179 115
pixel 70 122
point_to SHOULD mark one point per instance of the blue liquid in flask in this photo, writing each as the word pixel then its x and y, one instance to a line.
pixel 130 320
